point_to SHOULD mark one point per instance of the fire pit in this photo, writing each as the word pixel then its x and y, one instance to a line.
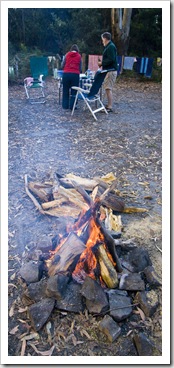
pixel 87 266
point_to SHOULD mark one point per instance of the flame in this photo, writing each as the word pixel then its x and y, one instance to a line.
pixel 88 262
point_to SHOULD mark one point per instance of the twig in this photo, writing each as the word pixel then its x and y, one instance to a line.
pixel 36 203
pixel 110 310
pixel 158 248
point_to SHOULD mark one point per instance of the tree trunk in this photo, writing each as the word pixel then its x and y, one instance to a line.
pixel 121 36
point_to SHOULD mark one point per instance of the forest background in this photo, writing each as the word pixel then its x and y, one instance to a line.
pixel 52 31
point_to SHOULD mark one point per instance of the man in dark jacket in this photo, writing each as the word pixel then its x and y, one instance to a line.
pixel 109 61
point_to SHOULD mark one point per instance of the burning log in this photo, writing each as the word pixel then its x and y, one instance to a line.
pixel 91 213
pixel 66 256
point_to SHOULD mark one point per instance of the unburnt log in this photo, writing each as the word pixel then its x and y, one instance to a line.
pixel 110 243
pixel 85 183
pixel 107 270
pixel 111 200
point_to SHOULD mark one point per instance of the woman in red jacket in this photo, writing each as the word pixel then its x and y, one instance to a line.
pixel 71 74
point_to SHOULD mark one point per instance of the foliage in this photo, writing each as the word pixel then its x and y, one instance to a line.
pixel 52 31
pixel 146 33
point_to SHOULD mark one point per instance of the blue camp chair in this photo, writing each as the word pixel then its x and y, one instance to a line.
pixel 39 70
pixel 92 95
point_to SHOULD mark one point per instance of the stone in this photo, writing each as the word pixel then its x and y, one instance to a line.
pixel 148 301
pixel 37 290
pixel 116 291
pixel 138 259
pixel 120 306
pixel 143 345
pixel 96 299
pixel 40 312
pixel 152 277
pixel 45 245
pixel 72 300
pixel 110 328
pixel 131 281
pixel 56 286
pixel 31 271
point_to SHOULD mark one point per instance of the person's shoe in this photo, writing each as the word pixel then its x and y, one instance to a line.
pixel 108 109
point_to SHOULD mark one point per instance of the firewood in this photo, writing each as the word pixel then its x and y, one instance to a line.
pixel 63 211
pixel 67 255
pixel 34 200
pixel 110 243
pixel 92 213
pixel 41 190
pixel 110 200
pixel 87 184
pixel 108 272
pixel 72 195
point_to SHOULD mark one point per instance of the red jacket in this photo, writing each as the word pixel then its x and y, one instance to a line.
pixel 72 62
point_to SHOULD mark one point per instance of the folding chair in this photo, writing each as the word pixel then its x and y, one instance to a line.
pixel 39 70
pixel 92 95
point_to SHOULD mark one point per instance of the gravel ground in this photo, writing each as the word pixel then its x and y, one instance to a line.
pixel 43 139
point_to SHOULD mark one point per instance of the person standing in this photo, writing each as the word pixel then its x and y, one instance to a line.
pixel 71 73
pixel 109 61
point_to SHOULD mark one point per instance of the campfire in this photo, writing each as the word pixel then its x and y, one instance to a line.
pixel 87 265
pixel 87 248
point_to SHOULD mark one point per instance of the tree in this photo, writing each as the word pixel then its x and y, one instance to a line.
pixel 120 26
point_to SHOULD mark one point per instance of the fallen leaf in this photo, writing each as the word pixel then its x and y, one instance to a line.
pixel 22 310
pixel 141 313
pixel 33 335
pixel 84 332
pixel 44 353
pixel 23 347
pixel 129 332
pixel 12 277
pixel 14 330
pixel 11 312
pixel 12 285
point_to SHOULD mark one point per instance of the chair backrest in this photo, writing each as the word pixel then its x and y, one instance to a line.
pixel 98 80
pixel 38 66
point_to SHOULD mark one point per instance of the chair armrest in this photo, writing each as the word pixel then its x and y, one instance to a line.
pixel 80 89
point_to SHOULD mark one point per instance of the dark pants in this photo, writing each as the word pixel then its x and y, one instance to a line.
pixel 69 80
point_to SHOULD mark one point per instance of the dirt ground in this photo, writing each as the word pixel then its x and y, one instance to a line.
pixel 42 140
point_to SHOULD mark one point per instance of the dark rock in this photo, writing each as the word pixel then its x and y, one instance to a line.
pixel 116 291
pixel 119 306
pixel 131 281
pixel 96 299
pixel 143 345
pixel 138 259
pixel 56 286
pixel 127 348
pixel 148 301
pixel 151 277
pixel 37 290
pixel 40 312
pixel 72 300
pixel 44 245
pixel 110 328
pixel 34 255
pixel 31 271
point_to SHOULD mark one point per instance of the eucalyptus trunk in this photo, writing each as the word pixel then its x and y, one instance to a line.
pixel 121 29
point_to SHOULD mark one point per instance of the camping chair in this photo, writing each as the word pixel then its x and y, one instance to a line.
pixel 92 95
pixel 39 70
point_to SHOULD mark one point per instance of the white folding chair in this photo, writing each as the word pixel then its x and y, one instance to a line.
pixel 92 95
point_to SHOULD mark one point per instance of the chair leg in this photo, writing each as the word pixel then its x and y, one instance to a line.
pixel 74 103
pixel 89 107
